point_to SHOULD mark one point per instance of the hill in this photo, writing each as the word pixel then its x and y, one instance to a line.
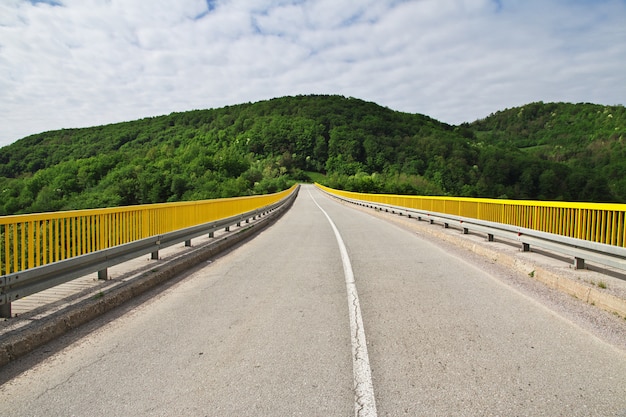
pixel 266 146
pixel 586 139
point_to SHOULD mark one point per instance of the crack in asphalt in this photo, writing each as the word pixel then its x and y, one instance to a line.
pixel 365 404
pixel 71 376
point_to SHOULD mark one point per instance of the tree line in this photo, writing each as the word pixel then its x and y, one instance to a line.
pixel 554 151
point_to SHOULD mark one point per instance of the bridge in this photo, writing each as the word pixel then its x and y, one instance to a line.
pixel 337 309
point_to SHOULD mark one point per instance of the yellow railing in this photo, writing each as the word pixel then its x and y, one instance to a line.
pixel 31 240
pixel 596 222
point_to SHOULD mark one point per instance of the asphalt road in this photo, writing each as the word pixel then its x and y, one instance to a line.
pixel 272 329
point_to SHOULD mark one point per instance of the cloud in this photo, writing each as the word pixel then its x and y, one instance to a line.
pixel 74 63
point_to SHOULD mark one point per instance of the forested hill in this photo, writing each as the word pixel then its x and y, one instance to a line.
pixel 587 140
pixel 539 151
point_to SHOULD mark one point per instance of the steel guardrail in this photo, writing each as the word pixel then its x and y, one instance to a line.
pixel 595 222
pixel 20 284
pixel 581 250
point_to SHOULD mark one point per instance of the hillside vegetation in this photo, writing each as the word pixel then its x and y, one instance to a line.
pixel 587 140
pixel 539 151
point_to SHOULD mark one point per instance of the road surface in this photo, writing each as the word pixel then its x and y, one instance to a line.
pixel 289 325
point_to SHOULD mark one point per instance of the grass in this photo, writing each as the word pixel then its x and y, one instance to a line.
pixel 315 176
pixel 600 284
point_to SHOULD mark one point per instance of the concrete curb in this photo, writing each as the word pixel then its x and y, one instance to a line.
pixel 557 281
pixel 19 342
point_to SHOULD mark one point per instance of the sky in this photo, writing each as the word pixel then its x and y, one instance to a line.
pixel 79 63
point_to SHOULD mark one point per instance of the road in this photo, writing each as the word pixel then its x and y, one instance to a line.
pixel 285 324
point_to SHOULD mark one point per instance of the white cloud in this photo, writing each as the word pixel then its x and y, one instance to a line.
pixel 74 63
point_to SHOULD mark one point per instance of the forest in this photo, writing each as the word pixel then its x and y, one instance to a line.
pixel 540 151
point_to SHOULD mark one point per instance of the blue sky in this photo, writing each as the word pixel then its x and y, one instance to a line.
pixel 77 63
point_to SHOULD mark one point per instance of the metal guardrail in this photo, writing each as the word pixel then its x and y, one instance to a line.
pixel 581 250
pixel 17 285
pixel 595 222
pixel 32 240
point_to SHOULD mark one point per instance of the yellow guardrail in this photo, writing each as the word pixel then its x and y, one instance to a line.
pixel 32 240
pixel 596 222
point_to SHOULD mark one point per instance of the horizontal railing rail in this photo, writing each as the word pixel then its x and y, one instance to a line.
pixel 467 220
pixel 16 285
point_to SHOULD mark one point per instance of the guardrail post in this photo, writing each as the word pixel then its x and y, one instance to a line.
pixel 446 225
pixel 525 247
pixel 154 255
pixel 5 311
pixel 187 243
pixel 211 234
pixel 490 238
pixel 103 274
pixel 227 229
pixel 465 231
pixel 579 263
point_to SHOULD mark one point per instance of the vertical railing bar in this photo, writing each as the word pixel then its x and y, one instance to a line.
pixel 95 236
pixel 83 235
pixel 3 250
pixel 15 265
pixel 7 249
pixel 74 235
pixel 602 225
pixel 88 234
pixel 23 237
pixel 605 225
pixel 69 238
pixel 44 242
pixel 581 223
pixel 608 237
pixel 61 235
pixel 115 228
pixel 616 228
pixel 622 229
pixel 57 241
pixel 37 243
pixel 123 228
pixel 67 244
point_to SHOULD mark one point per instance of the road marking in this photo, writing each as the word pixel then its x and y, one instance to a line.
pixel 364 402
